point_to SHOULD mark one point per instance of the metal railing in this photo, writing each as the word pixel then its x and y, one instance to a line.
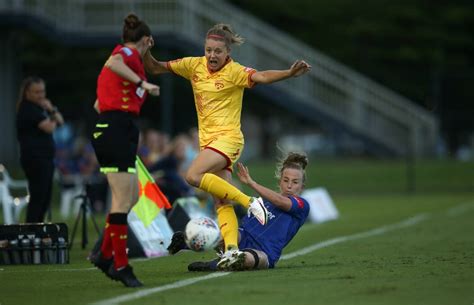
pixel 332 88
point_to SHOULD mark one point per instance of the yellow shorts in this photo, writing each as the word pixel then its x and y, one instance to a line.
pixel 229 148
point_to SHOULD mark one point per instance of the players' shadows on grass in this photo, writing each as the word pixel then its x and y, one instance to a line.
pixel 304 264
pixel 379 290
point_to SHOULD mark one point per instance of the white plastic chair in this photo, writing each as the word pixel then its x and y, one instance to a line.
pixel 12 206
pixel 69 194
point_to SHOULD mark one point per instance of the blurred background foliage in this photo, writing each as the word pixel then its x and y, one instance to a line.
pixel 422 49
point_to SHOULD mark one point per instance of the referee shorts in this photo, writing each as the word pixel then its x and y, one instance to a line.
pixel 115 141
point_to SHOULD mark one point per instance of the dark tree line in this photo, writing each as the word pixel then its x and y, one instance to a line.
pixel 422 49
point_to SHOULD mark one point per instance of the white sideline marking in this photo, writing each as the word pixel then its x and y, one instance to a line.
pixel 381 230
pixel 460 209
pixel 145 292
pixel 48 270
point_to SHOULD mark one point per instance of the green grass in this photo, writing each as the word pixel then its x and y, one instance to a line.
pixel 360 176
pixel 431 262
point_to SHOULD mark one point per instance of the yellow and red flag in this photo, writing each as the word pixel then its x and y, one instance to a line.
pixel 150 198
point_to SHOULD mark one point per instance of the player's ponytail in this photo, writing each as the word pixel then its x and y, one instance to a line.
pixel 134 29
pixel 293 160
pixel 224 32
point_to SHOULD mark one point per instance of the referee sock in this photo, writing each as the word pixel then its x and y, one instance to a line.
pixel 106 246
pixel 222 189
pixel 118 234
pixel 228 225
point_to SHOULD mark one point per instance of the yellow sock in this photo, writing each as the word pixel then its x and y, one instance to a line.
pixel 222 189
pixel 228 225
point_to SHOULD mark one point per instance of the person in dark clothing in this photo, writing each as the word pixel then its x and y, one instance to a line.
pixel 36 121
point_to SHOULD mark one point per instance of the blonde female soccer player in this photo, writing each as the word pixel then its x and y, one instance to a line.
pixel 218 84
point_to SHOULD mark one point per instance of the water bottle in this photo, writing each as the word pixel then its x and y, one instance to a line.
pixel 25 244
pixel 49 253
pixel 4 255
pixel 62 251
pixel 37 251
pixel 15 252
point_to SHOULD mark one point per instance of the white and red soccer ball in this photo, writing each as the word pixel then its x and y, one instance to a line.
pixel 202 234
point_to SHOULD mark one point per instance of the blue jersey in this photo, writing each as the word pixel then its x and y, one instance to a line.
pixel 276 234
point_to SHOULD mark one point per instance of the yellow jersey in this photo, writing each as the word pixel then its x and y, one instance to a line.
pixel 217 96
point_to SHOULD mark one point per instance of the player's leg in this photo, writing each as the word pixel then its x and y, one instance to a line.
pixel 226 217
pixel 213 264
pixel 115 142
pixel 201 174
pixel 246 259
pixel 122 186
pixel 255 259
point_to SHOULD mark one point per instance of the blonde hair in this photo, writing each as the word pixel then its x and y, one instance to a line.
pixel 292 160
pixel 224 32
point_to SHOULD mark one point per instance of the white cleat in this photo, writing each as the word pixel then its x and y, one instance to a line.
pixel 258 209
pixel 231 260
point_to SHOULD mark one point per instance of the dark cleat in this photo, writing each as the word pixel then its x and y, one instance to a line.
pixel 203 266
pixel 102 263
pixel 177 243
pixel 125 275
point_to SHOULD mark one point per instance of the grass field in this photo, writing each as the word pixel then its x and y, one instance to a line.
pixel 388 247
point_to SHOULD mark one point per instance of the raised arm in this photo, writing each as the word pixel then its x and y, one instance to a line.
pixel 154 66
pixel 298 68
pixel 118 66
pixel 277 199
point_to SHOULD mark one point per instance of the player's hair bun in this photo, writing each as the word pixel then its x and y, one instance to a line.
pixel 132 21
pixel 296 158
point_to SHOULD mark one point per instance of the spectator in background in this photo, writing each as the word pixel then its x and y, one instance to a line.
pixel 155 145
pixel 192 149
pixel 169 173
pixel 36 120
pixel 88 167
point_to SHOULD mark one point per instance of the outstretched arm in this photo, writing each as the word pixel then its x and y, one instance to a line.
pixel 154 66
pixel 277 199
pixel 298 68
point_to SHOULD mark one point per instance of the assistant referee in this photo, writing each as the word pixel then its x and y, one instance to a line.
pixel 121 91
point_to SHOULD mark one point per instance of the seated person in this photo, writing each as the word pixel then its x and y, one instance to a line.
pixel 261 246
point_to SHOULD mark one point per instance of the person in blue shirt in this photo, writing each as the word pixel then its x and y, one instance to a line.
pixel 261 246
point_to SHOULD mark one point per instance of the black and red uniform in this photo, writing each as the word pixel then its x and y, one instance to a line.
pixel 115 137
pixel 115 140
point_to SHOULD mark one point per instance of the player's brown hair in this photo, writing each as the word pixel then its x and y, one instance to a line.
pixel 134 29
pixel 292 160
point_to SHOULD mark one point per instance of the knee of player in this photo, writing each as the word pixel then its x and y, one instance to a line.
pixel 193 178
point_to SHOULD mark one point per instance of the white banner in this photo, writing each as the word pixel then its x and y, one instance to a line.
pixel 322 207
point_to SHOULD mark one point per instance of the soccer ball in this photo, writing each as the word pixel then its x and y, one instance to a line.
pixel 202 234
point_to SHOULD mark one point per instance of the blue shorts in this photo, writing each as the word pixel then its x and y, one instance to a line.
pixel 248 242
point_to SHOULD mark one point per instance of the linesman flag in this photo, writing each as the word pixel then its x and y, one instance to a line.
pixel 150 198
